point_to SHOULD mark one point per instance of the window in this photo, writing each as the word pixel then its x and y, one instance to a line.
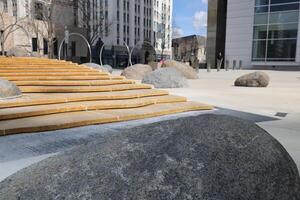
pixel 38 11
pixel 73 48
pixel 5 6
pixel 15 8
pixel 45 46
pixel 275 30
pixel 34 44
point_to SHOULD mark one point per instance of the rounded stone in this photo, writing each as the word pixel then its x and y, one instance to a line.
pixel 8 89
pixel 136 72
pixel 105 68
pixel 155 65
pixel 166 78
pixel 255 79
pixel 187 71
pixel 209 157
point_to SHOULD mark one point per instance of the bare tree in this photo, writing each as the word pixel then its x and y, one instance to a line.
pixel 8 25
pixel 45 20
pixel 93 18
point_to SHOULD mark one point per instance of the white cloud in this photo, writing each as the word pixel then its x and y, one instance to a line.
pixel 205 1
pixel 200 20
pixel 177 32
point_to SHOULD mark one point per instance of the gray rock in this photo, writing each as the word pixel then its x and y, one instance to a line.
pixel 155 65
pixel 186 70
pixel 209 157
pixel 8 89
pixel 255 79
pixel 106 68
pixel 165 78
pixel 136 72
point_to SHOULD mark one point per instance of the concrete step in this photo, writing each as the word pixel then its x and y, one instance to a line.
pixel 74 83
pixel 31 111
pixel 56 98
pixel 98 73
pixel 60 78
pixel 27 71
pixel 80 89
pixel 84 118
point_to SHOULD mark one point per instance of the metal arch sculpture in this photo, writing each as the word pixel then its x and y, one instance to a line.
pixel 127 47
pixel 19 26
pixel 141 42
pixel 79 35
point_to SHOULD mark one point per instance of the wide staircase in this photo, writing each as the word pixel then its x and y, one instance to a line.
pixel 60 94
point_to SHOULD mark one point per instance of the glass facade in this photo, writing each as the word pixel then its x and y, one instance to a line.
pixel 275 30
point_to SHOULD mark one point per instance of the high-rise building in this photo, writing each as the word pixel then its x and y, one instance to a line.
pixel 259 33
pixel 145 24
pixel 25 27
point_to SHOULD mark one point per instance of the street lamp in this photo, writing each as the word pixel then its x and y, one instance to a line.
pixel 162 34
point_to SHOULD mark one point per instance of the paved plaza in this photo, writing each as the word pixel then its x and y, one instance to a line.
pixel 276 109
pixel 280 101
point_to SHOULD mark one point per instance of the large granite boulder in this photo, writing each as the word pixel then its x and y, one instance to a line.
pixel 255 79
pixel 186 70
pixel 8 89
pixel 208 157
pixel 155 65
pixel 165 78
pixel 105 68
pixel 137 71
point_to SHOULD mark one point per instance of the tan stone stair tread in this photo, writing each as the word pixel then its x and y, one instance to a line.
pixel 32 78
pixel 36 66
pixel 55 74
pixel 78 89
pixel 48 70
pixel 84 118
pixel 74 83
pixel 30 111
pixel 52 98
pixel 10 69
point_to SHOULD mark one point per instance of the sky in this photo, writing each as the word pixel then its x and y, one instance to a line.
pixel 189 17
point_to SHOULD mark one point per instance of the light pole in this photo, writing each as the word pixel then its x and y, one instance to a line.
pixel 162 34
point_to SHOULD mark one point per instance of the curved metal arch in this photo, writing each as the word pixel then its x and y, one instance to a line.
pixel 141 42
pixel 127 47
pixel 22 28
pixel 79 35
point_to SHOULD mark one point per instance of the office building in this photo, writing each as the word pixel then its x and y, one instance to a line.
pixel 259 33
pixel 143 25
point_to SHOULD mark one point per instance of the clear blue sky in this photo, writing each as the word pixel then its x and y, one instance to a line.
pixel 190 17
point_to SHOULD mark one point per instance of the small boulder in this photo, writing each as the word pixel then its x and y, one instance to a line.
pixel 166 78
pixel 255 79
pixel 105 68
pixel 155 65
pixel 136 72
pixel 209 157
pixel 186 70
pixel 8 89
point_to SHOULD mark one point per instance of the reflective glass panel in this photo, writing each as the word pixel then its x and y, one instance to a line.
pixel 284 17
pixel 281 50
pixel 285 7
pixel 283 31
pixel 261 18
pixel 259 50
pixel 283 1
pixel 261 2
pixel 261 9
pixel 260 32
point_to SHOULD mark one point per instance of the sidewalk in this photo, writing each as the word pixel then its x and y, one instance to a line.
pixel 281 97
